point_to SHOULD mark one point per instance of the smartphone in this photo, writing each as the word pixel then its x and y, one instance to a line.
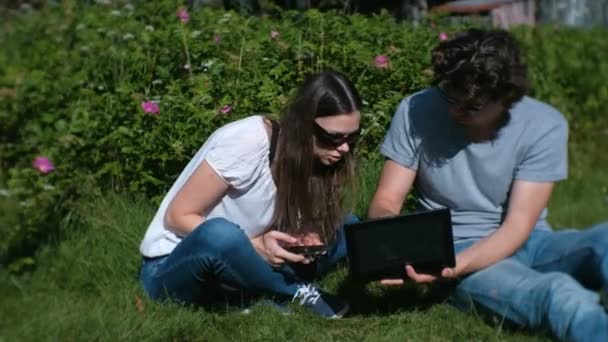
pixel 313 252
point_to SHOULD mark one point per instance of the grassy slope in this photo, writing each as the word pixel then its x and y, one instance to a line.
pixel 86 287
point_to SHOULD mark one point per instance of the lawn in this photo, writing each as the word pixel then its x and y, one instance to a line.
pixel 76 83
pixel 85 286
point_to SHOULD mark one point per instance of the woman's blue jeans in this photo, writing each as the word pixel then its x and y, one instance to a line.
pixel 551 282
pixel 216 263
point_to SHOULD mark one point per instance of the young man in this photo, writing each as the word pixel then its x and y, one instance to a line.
pixel 476 144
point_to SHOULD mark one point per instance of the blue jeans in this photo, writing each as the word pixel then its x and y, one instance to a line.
pixel 216 263
pixel 551 282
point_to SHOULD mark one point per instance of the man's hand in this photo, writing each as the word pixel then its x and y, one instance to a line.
pixel 446 273
pixel 420 278
pixel 269 247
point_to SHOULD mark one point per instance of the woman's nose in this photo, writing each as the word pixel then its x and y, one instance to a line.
pixel 344 148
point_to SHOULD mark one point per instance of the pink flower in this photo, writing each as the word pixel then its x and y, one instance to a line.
pixel 183 15
pixel 150 107
pixel 274 34
pixel 443 36
pixel 381 61
pixel 217 39
pixel 226 109
pixel 43 164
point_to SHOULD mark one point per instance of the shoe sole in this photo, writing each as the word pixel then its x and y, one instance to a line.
pixel 249 312
pixel 342 312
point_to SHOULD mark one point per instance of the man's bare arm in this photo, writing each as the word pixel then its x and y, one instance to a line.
pixel 526 203
pixel 394 185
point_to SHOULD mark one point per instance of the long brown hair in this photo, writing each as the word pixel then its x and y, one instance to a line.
pixel 310 196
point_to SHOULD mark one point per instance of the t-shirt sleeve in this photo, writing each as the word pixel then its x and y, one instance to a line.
pixel 399 144
pixel 239 161
pixel 546 158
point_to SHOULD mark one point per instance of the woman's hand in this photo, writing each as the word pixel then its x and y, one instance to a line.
pixel 270 247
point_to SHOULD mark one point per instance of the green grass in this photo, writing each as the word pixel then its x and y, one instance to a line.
pixel 86 288
pixel 582 200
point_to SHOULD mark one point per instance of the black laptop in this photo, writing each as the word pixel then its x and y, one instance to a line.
pixel 380 248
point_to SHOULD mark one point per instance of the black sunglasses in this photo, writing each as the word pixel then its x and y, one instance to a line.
pixel 334 140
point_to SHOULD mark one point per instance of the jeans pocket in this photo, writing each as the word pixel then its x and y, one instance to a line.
pixel 147 274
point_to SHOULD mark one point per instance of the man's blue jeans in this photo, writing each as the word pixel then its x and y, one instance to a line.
pixel 551 282
pixel 216 259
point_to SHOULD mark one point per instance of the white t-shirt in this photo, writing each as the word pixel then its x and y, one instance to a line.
pixel 238 153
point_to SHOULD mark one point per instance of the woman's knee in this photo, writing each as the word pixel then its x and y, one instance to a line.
pixel 596 236
pixel 600 232
pixel 601 226
pixel 350 218
pixel 218 234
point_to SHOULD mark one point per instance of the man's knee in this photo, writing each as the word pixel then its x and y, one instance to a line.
pixel 562 292
pixel 567 305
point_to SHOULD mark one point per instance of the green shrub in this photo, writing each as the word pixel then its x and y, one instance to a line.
pixel 73 80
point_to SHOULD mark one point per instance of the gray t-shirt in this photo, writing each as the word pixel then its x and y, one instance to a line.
pixel 474 179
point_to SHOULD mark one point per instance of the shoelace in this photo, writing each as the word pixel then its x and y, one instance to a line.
pixel 307 294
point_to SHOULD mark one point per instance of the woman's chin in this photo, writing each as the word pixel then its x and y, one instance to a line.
pixel 328 160
pixel 332 160
pixel 325 161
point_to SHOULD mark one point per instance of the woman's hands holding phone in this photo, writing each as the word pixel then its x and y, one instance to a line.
pixel 274 246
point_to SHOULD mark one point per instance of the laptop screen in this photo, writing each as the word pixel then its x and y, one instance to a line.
pixel 386 245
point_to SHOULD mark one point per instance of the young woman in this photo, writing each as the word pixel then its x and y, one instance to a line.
pixel 254 190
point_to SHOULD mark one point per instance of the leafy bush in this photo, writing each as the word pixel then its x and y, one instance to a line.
pixel 74 81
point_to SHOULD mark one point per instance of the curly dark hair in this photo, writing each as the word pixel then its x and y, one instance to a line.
pixel 483 65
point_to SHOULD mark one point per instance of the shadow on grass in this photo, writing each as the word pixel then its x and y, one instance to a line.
pixel 375 299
